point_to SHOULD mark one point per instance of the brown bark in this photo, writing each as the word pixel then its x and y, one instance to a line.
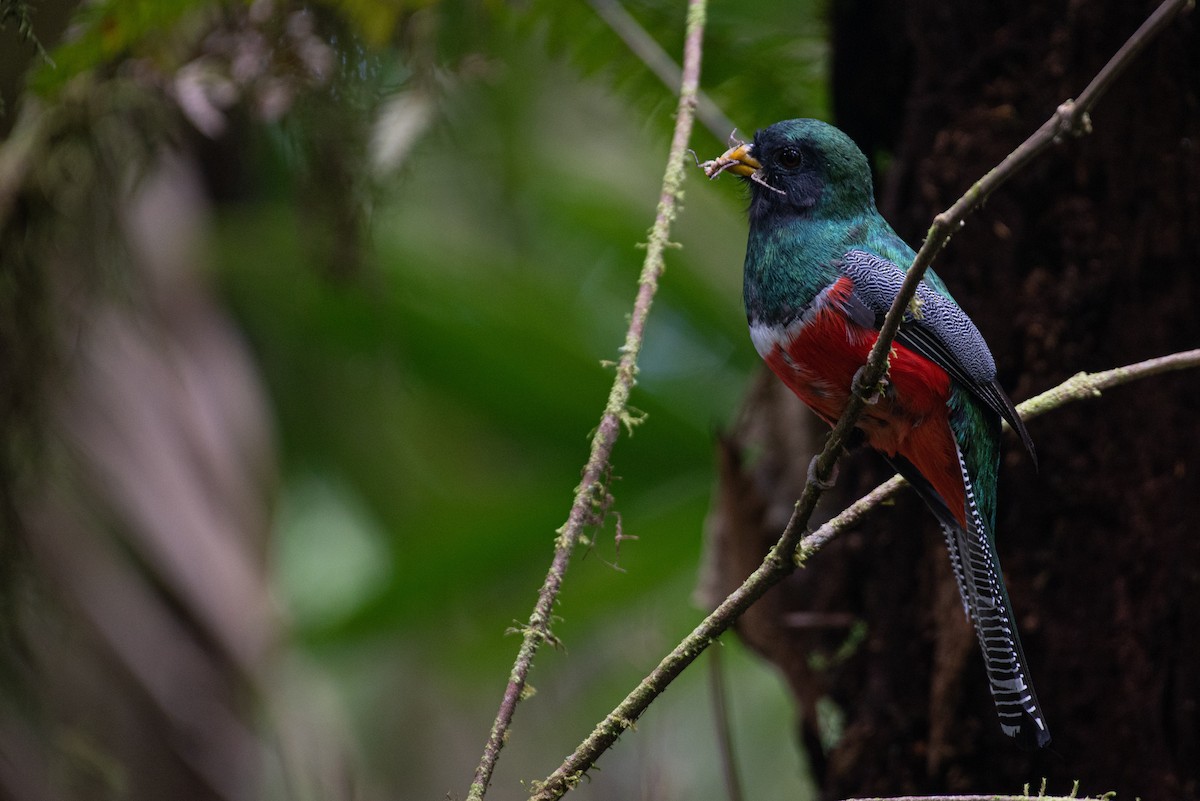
pixel 1087 261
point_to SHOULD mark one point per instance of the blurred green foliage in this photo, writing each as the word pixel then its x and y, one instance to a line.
pixel 438 403
pixel 433 338
pixel 763 61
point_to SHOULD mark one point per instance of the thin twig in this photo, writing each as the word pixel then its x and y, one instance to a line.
pixel 1092 384
pixel 724 725
pixel 783 556
pixel 1070 118
pixel 591 494
pixel 658 61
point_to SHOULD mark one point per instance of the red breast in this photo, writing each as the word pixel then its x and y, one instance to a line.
pixel 818 363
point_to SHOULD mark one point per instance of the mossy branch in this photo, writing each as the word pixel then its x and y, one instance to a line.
pixel 617 411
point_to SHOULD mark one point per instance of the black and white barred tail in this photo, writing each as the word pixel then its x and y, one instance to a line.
pixel 977 570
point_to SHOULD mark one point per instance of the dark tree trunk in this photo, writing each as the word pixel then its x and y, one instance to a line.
pixel 1088 261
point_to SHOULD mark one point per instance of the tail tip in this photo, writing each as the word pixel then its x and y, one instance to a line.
pixel 1030 735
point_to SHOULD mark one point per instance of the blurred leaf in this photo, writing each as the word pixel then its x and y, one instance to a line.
pixel 332 554
pixel 762 63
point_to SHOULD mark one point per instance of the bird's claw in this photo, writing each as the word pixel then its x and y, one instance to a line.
pixel 819 483
pixel 871 394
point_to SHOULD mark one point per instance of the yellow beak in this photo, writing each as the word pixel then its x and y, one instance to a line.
pixel 739 160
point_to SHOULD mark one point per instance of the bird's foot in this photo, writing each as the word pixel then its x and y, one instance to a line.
pixel 821 484
pixel 871 394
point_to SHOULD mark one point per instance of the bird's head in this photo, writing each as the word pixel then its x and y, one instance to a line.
pixel 800 168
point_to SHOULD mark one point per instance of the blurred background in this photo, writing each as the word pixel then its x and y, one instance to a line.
pixel 305 310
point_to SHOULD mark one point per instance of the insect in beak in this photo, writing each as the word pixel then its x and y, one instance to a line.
pixel 738 159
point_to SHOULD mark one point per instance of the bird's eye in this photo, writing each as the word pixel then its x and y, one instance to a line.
pixel 790 158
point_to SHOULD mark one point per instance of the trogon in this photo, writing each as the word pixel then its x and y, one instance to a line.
pixel 822 269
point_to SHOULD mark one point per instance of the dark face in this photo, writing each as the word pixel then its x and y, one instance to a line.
pixel 790 179
pixel 799 169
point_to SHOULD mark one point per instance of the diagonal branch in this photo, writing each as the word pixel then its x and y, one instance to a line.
pixel 658 61
pixel 781 560
pixel 591 493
